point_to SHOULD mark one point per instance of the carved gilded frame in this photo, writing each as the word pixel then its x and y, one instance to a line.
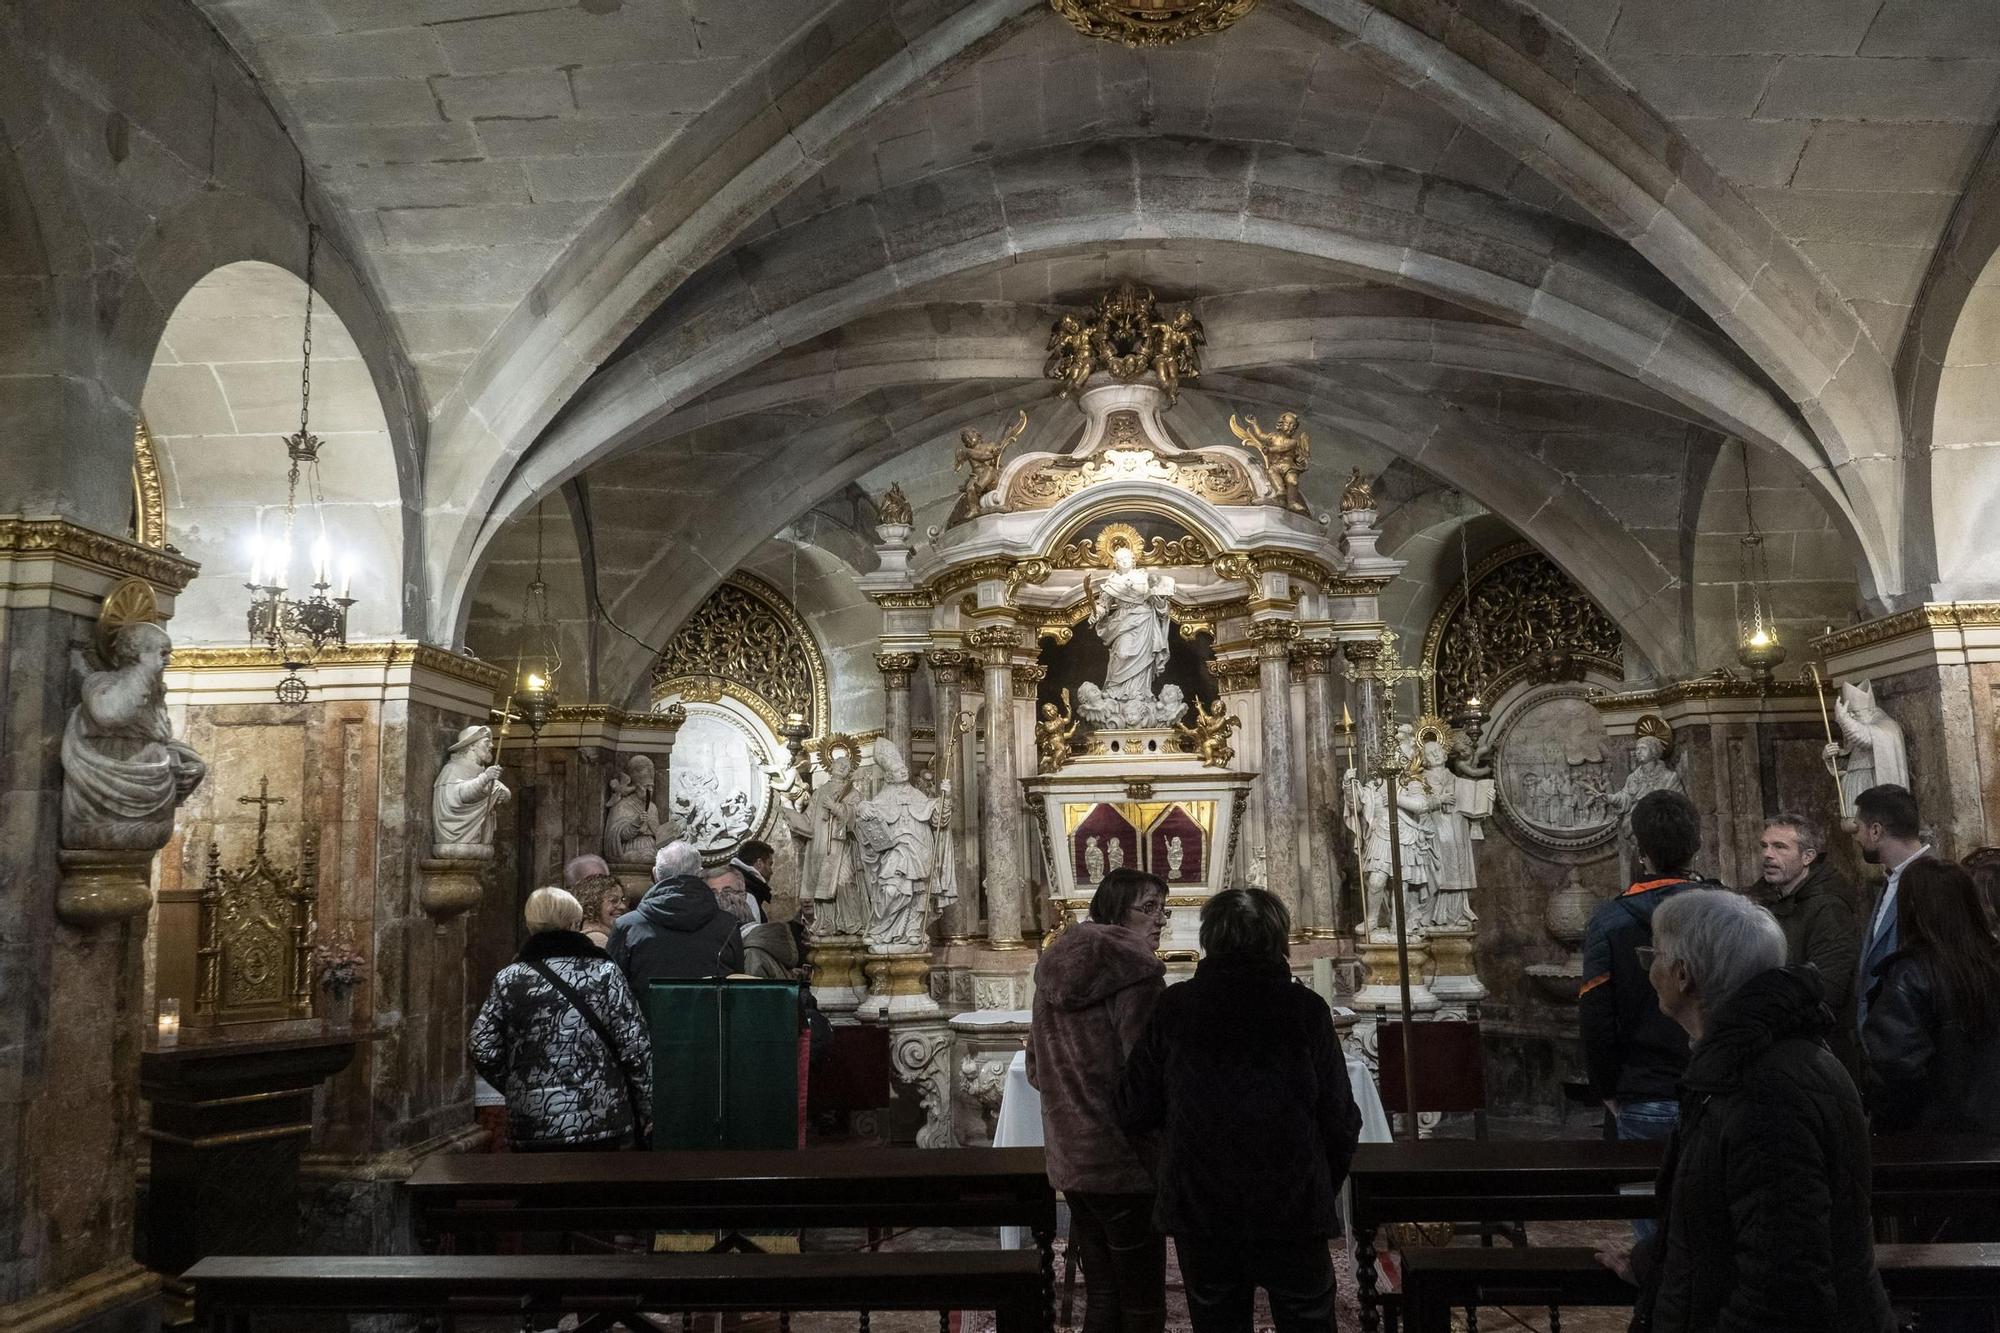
pixel 707 687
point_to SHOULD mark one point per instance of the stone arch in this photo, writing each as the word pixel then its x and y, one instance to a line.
pixel 1948 372
pixel 1517 268
pixel 220 395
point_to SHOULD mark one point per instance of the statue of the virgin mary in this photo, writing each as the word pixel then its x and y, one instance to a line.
pixel 1129 609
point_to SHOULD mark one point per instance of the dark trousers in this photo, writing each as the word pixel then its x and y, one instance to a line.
pixel 1124 1262
pixel 1222 1278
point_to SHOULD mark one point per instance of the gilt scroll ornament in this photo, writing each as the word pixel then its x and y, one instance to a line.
pixel 1126 335
pixel 1150 22
pixel 744 641
pixel 1535 623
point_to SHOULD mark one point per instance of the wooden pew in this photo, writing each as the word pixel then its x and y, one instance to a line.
pixel 1579 1180
pixel 1438 1281
pixel 230 1291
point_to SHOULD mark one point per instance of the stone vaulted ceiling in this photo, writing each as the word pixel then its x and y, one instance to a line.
pixel 694 267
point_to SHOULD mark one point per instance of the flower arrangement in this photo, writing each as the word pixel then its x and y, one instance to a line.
pixel 338 964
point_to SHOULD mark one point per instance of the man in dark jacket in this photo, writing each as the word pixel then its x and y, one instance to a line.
pixel 1814 906
pixel 1764 1194
pixel 1634 1052
pixel 755 859
pixel 678 932
pixel 1242 1076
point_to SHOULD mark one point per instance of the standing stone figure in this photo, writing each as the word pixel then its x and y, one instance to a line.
pixel 1871 744
pixel 1129 611
pixel 1463 805
pixel 1367 819
pixel 466 796
pixel 833 868
pixel 632 821
pixel 1093 859
pixel 124 774
pixel 897 832
pixel 1650 773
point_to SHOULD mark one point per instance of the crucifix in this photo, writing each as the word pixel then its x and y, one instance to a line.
pixel 263 800
pixel 1386 670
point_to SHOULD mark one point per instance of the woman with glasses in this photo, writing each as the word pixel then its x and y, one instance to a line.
pixel 1095 989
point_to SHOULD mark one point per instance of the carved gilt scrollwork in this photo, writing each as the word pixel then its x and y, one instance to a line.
pixel 1535 623
pixel 747 642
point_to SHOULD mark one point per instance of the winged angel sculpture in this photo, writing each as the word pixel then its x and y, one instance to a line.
pixel 983 457
pixel 1286 452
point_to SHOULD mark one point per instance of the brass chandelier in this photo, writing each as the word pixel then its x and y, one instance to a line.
pixel 297 630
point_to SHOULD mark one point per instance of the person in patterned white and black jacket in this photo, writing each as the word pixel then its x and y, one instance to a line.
pixel 572 1082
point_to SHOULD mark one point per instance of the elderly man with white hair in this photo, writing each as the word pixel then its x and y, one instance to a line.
pixel 678 932
pixel 1764 1194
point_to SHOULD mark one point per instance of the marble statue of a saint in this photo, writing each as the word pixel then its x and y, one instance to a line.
pixel 1871 750
pixel 1464 804
pixel 1367 818
pixel 632 820
pixel 1093 859
pixel 1176 857
pixel 124 774
pixel 1114 855
pixel 466 796
pixel 896 831
pixel 1129 610
pixel 1650 773
pixel 833 869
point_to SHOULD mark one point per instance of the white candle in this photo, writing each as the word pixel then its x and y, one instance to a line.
pixel 168 1025
pixel 346 577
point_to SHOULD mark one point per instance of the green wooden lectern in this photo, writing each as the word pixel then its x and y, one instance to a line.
pixel 725 1063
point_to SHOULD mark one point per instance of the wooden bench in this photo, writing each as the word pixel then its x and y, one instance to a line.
pixel 1581 1180
pixel 230 1291
pixel 1438 1281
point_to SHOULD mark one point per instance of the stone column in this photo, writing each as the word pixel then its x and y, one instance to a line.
pixel 76 1003
pixel 896 669
pixel 955 922
pixel 1322 890
pixel 1028 678
pixel 1274 683
pixel 1000 815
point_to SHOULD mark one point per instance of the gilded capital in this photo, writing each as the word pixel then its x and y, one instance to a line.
pixel 1314 657
pixel 1274 637
pixel 1028 678
pixel 947 664
pixel 996 643
pixel 896 669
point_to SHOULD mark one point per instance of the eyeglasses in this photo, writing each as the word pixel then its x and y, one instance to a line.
pixel 1158 908
pixel 1646 956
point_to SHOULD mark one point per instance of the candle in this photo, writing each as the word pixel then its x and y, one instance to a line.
pixel 167 1026
pixel 347 577
pixel 322 561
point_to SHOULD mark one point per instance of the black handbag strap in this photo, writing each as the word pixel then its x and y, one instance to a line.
pixel 589 1016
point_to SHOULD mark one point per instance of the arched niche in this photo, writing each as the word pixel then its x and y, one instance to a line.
pixel 222 393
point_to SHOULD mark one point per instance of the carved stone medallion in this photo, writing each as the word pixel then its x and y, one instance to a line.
pixel 1556 769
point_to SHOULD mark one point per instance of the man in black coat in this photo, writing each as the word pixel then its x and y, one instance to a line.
pixel 1814 906
pixel 1242 1077
pixel 755 859
pixel 1764 1194
pixel 678 932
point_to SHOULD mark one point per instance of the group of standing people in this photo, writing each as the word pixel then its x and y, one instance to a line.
pixel 561 1034
pixel 1765 1033
pixel 1216 1112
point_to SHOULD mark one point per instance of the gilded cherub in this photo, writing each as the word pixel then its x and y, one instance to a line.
pixel 1071 357
pixel 1209 734
pixel 1055 735
pixel 1174 355
pixel 1286 452
pixel 984 460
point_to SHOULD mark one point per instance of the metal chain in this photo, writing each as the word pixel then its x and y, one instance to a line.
pixel 1471 607
pixel 306 346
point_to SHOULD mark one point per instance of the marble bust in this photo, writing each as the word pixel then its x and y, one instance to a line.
pixel 467 793
pixel 124 774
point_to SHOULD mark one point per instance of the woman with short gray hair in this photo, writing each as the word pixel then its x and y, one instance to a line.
pixel 1764 1194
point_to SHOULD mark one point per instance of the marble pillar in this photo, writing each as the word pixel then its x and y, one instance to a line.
pixel 957 921
pixel 1000 821
pixel 896 669
pixel 1281 826
pixel 1323 880
pixel 75 1013
pixel 1028 677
